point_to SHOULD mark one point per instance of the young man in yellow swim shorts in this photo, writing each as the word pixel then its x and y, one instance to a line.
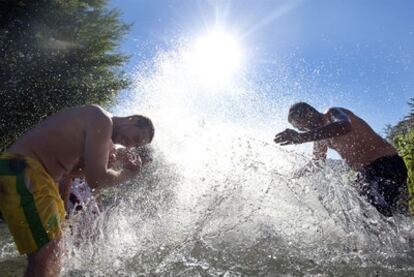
pixel 78 138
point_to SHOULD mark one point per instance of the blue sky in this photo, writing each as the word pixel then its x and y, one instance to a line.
pixel 351 53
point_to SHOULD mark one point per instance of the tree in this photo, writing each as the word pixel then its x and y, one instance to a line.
pixel 402 137
pixel 55 54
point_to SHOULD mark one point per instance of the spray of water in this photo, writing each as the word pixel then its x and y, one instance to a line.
pixel 219 199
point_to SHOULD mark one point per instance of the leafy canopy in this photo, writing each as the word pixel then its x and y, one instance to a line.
pixel 56 54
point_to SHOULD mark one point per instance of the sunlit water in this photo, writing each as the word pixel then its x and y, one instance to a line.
pixel 219 199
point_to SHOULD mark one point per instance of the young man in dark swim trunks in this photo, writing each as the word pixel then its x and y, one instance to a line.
pixel 76 139
pixel 382 173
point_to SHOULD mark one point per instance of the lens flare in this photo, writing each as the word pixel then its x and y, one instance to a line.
pixel 215 57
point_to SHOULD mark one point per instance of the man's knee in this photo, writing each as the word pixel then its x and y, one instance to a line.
pixel 45 262
pixel 47 258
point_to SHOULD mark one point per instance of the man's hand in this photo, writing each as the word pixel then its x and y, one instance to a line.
pixel 287 137
pixel 121 157
pixel 132 166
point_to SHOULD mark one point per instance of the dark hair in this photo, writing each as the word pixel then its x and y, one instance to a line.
pixel 143 122
pixel 300 110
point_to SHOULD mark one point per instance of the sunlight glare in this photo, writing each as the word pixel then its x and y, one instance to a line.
pixel 215 57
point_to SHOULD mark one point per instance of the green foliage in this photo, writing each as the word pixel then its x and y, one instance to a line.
pixel 402 127
pixel 402 136
pixel 405 145
pixel 55 54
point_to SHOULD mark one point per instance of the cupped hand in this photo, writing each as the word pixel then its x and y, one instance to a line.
pixel 133 166
pixel 287 137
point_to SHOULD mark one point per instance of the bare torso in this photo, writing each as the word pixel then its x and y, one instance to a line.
pixel 58 141
pixel 362 145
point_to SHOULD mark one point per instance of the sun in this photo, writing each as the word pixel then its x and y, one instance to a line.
pixel 215 57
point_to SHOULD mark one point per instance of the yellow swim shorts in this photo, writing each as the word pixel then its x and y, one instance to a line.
pixel 30 202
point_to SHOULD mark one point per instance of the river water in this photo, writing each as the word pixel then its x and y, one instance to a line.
pixel 219 198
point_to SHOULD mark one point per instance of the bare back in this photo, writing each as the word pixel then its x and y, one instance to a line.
pixel 58 142
pixel 362 145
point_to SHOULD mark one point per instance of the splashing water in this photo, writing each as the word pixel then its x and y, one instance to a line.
pixel 218 200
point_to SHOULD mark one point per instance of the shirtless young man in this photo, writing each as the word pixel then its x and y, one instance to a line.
pixel 32 166
pixel 382 173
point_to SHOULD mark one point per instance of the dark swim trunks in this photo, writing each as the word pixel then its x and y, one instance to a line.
pixel 384 184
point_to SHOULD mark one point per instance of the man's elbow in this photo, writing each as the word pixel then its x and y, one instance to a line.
pixel 104 179
pixel 94 180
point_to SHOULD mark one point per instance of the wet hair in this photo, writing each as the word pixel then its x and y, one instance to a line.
pixel 300 110
pixel 143 122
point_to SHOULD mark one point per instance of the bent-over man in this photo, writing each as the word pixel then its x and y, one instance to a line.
pixel 32 166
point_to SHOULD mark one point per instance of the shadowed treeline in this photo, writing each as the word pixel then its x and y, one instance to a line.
pixel 402 136
pixel 55 54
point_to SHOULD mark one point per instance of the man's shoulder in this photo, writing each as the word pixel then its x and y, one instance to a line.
pixel 96 115
pixel 96 111
pixel 336 109
pixel 92 108
pixel 339 112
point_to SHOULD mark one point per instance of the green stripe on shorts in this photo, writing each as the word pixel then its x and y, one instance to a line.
pixel 5 169
pixel 27 203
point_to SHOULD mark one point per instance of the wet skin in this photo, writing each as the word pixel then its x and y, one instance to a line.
pixel 341 130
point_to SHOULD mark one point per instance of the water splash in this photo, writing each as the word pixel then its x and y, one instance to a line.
pixel 219 199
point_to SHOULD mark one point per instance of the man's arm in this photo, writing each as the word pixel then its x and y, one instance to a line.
pixel 340 124
pixel 65 185
pixel 97 146
pixel 320 150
